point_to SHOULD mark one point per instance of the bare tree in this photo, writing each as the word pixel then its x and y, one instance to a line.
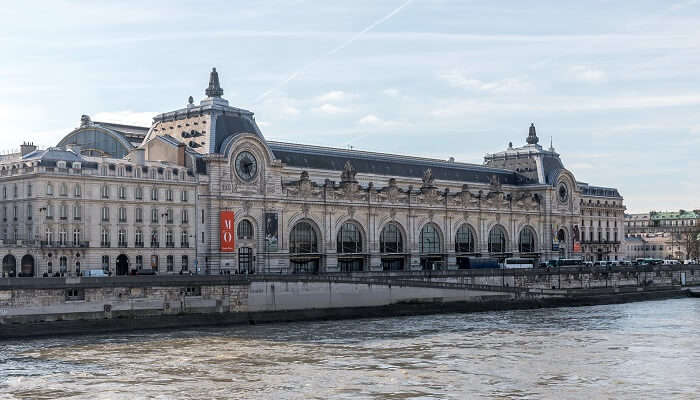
pixel 692 244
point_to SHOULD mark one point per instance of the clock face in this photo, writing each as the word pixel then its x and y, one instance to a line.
pixel 563 193
pixel 246 166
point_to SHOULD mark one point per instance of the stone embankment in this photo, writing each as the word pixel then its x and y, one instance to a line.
pixel 52 306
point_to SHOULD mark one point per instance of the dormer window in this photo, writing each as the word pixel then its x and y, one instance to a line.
pixel 76 165
pixel 61 164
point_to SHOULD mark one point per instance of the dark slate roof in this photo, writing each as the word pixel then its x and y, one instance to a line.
pixel 599 191
pixel 50 156
pixel 324 158
pixel 228 125
pixel 551 167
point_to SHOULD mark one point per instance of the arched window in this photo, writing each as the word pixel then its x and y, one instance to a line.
pixel 526 241
pixel 465 239
pixel 390 240
pixel 430 239
pixel 349 238
pixel 303 239
pixel 497 240
pixel 245 229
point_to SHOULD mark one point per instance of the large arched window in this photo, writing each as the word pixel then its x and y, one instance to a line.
pixel 430 239
pixel 497 240
pixel 349 239
pixel 465 239
pixel 245 229
pixel 390 240
pixel 303 239
pixel 526 241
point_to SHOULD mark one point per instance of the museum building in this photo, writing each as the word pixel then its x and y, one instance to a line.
pixel 202 191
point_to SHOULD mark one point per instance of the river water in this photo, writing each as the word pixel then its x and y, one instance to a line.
pixel 628 351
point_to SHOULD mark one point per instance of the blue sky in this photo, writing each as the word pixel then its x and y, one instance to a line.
pixel 616 86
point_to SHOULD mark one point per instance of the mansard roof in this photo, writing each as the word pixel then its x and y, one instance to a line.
pixel 334 159
pixel 589 190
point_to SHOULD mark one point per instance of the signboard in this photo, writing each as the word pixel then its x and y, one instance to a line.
pixel 271 232
pixel 226 232
pixel 577 247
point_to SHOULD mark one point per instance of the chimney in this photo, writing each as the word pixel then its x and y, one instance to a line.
pixel 181 154
pixel 27 148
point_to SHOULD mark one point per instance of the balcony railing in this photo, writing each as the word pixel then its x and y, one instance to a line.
pixel 170 245
pixel 105 244
pixel 184 245
pixel 155 245
pixel 67 245
pixel 123 244
pixel 138 244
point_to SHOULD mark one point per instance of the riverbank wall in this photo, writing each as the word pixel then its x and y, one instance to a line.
pixel 51 306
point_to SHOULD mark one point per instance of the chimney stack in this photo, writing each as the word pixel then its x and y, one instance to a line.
pixel 27 148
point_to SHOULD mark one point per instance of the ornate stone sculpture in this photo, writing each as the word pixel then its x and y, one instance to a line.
pixel 428 178
pixel 348 174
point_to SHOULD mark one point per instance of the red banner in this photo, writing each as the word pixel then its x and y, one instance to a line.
pixel 226 233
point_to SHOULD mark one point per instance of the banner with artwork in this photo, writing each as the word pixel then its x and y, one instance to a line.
pixel 271 232
pixel 226 233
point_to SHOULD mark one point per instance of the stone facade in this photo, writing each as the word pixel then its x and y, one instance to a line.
pixel 296 208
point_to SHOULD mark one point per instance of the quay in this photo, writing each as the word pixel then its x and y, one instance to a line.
pixel 60 306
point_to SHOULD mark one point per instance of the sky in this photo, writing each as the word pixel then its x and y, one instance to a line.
pixel 614 87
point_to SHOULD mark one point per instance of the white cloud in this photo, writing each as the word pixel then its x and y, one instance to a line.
pixel 331 109
pixel 127 117
pixel 587 74
pixel 458 79
pixel 371 120
pixel 391 92
pixel 289 110
pixel 333 96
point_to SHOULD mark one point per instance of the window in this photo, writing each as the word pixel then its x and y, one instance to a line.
pixel 139 214
pixel 76 237
pixel 123 239
pixel 169 216
pixel 138 172
pixel 105 191
pixel 464 239
pixel 138 194
pixel 185 266
pixel 497 240
pixel 77 191
pixel 77 212
pixel 63 211
pixel 169 262
pixel 139 259
pixel 62 237
pixel 29 190
pixel 120 171
pixel 105 263
pixel 154 215
pixel 185 216
pixel 184 239
pixel 122 193
pixel 430 239
pixel 122 214
pixel 49 190
pixel 349 239
pixel 154 262
pixel 64 190
pixel 245 229
pixel 169 194
pixel 105 238
pixel 183 196
pixel 49 236
pixel 49 211
pixel 4 191
pixel 154 193
pixel 103 170
pixel 139 238
pixel 152 173
pixel 390 240
pixel 154 239
pixel 105 213
pixel 29 211
pixel 169 239
pixel 526 242
pixel 202 216
pixel 14 190
pixel 302 239
pixel 168 174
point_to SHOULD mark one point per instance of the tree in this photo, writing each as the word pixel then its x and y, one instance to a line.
pixel 692 244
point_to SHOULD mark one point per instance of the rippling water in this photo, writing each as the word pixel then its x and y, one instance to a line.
pixel 638 350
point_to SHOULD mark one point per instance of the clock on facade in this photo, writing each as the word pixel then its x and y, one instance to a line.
pixel 246 166
pixel 563 192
